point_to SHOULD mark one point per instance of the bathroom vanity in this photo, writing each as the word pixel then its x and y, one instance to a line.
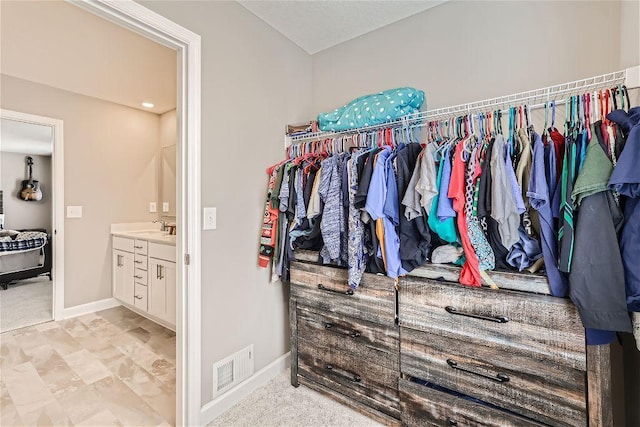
pixel 144 272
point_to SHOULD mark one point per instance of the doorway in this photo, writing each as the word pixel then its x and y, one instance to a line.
pixel 31 267
pixel 137 18
pixel 133 16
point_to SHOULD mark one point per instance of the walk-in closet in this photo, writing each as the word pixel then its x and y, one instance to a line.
pixel 326 213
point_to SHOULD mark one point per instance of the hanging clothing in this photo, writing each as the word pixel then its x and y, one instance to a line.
pixel 596 280
pixel 490 225
pixel 357 257
pixel 443 227
pixel 539 196
pixel 269 221
pixel 445 204
pixel 566 234
pixel 470 274
pixel 415 239
pixel 332 224
pixel 380 212
pixel 503 206
pixel 422 188
pixel 486 258
pixel 391 219
pixel 625 179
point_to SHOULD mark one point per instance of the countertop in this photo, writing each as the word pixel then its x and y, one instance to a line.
pixel 155 236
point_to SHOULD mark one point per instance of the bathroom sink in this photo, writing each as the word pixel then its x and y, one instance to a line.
pixel 157 235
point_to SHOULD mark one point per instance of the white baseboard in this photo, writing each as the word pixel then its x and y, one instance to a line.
pixel 221 404
pixel 91 307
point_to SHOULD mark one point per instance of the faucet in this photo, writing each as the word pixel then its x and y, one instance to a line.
pixel 163 224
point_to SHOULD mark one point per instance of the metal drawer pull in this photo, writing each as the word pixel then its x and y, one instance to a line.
pixel 501 378
pixel 499 319
pixel 138 262
pixel 137 297
pixel 354 334
pixel 452 422
pixel 138 247
pixel 322 288
pixel 138 277
pixel 355 378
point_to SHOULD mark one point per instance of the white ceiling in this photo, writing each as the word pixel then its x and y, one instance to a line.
pixel 60 45
pixel 315 25
pixel 29 138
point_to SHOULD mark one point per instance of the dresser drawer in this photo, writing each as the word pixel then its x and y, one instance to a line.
pixel 548 328
pixel 367 341
pixel 326 289
pixel 140 296
pixel 123 244
pixel 423 406
pixel 365 382
pixel 140 262
pixel 506 375
pixel 140 276
pixel 141 247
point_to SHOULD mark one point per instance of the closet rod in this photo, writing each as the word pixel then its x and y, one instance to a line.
pixel 630 76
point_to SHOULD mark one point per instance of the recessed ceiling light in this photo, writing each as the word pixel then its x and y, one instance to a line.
pixel 148 104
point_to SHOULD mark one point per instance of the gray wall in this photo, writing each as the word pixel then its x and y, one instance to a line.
pixel 630 37
pixel 110 154
pixel 254 82
pixel 19 214
pixel 464 51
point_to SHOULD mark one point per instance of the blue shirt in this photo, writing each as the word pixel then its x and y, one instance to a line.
pixel 626 180
pixel 383 203
pixel 538 193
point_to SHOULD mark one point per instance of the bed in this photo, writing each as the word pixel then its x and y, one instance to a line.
pixel 24 254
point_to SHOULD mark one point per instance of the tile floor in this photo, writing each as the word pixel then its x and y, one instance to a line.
pixel 112 367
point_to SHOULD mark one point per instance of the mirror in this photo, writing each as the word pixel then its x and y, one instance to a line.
pixel 168 179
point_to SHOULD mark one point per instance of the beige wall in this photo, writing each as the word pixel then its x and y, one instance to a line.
pixel 19 214
pixel 167 163
pixel 254 81
pixel 110 170
pixel 464 51
pixel 630 36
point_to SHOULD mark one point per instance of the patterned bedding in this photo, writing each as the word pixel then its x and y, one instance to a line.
pixel 21 241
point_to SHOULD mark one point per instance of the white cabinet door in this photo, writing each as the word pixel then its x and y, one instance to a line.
pixel 122 273
pixel 157 291
pixel 170 280
pixel 162 290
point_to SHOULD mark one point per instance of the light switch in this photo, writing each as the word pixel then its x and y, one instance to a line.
pixel 165 206
pixel 153 207
pixel 74 211
pixel 209 219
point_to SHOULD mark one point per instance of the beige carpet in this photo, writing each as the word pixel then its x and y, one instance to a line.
pixel 25 303
pixel 280 404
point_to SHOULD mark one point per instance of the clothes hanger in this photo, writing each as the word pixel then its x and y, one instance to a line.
pixel 626 93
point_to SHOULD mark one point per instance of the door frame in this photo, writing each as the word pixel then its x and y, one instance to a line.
pixel 135 17
pixel 57 208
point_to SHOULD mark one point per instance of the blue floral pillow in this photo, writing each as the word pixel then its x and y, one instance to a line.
pixel 373 109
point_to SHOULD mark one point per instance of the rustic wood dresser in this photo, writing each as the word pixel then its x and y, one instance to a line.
pixel 436 353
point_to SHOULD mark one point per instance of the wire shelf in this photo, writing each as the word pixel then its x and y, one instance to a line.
pixel 533 98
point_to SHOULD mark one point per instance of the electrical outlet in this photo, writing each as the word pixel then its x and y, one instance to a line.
pixel 209 219
pixel 165 206
pixel 153 207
